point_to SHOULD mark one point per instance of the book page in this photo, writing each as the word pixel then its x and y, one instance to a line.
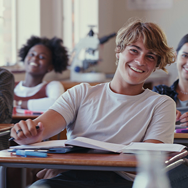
pixel 42 145
pixel 95 144
pixel 136 146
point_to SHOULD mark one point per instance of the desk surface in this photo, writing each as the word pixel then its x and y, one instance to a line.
pixel 23 116
pixel 181 135
pixel 78 161
pixel 5 127
pixel 85 159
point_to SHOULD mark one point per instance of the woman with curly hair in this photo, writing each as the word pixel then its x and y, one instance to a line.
pixel 40 56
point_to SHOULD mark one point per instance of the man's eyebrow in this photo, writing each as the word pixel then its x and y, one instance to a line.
pixel 185 53
pixel 150 52
pixel 132 45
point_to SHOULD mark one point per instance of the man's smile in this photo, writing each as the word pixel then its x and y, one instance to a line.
pixel 136 69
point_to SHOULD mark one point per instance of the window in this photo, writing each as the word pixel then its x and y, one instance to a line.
pixel 78 15
pixel 7 50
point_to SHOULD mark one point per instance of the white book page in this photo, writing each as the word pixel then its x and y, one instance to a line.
pixel 42 145
pixel 136 146
pixel 95 144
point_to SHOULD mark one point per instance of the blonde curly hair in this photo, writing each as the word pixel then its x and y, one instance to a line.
pixel 154 39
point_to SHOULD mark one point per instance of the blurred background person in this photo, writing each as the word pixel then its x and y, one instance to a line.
pixel 40 56
pixel 178 91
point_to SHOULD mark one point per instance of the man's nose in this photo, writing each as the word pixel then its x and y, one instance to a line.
pixel 140 60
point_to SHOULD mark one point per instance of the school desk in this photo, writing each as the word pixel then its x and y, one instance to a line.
pixel 78 161
pixel 181 138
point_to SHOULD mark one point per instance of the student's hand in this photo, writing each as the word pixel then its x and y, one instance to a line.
pixel 25 132
pixel 49 173
pixel 184 119
pixel 178 114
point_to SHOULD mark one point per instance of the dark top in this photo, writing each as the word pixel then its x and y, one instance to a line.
pixel 6 95
pixel 165 90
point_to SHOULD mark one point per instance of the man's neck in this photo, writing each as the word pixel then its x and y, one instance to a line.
pixel 124 88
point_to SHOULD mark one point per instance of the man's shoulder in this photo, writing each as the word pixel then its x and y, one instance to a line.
pixel 159 96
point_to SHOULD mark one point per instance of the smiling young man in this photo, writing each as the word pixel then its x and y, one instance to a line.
pixel 120 111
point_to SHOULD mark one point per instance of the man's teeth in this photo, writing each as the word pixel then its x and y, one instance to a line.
pixel 33 64
pixel 135 69
pixel 186 68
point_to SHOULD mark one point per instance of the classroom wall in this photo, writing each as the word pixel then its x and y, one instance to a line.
pixel 114 13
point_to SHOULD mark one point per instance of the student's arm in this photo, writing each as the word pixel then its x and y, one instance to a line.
pixel 162 124
pixel 50 123
pixel 53 90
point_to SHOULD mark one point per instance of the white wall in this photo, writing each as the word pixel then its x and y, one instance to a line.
pixel 40 18
pixel 114 13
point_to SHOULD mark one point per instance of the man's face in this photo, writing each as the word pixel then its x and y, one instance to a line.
pixel 136 63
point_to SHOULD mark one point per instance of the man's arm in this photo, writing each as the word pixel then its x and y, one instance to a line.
pixel 152 141
pixel 50 123
pixel 6 95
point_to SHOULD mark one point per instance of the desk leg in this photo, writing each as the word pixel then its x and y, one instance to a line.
pixel 2 177
pixel 24 176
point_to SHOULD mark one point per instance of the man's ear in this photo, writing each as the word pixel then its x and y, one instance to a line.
pixel 117 55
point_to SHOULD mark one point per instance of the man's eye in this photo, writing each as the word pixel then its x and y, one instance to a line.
pixel 185 55
pixel 151 57
pixel 133 50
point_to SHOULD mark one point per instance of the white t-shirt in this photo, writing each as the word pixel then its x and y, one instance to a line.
pixel 53 90
pixel 97 112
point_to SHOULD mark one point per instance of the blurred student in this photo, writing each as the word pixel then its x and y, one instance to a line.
pixel 120 111
pixel 6 95
pixel 178 91
pixel 40 56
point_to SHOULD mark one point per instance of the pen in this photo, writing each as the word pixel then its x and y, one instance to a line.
pixel 30 153
pixel 12 139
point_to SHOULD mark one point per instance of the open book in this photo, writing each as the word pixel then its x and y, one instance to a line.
pixel 104 146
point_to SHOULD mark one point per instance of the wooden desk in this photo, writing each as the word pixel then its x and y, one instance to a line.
pixel 18 116
pixel 77 161
pixel 181 138
pixel 5 127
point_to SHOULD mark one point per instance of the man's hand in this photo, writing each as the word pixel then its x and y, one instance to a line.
pixel 25 132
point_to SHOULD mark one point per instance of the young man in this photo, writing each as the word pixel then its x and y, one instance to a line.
pixel 120 111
